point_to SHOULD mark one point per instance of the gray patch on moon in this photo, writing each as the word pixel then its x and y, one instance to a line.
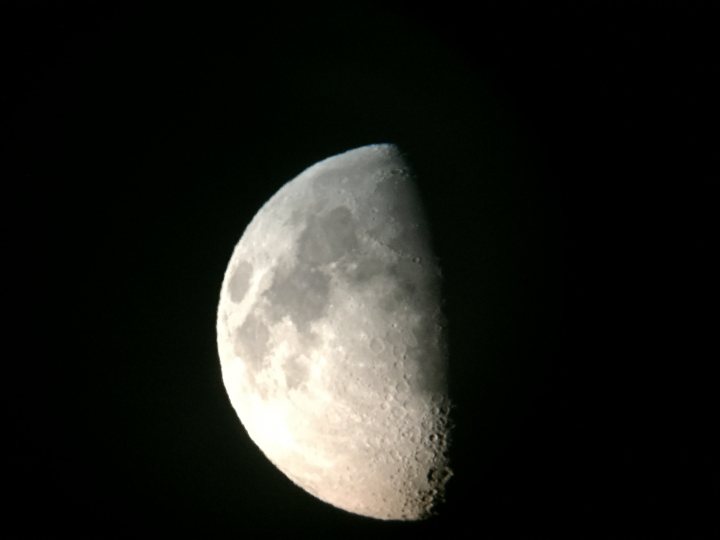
pixel 396 197
pixel 328 237
pixel 296 372
pixel 427 350
pixel 366 269
pixel 299 292
pixel 421 286
pixel 240 281
pixel 251 340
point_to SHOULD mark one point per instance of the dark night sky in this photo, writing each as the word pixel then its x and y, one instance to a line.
pixel 564 154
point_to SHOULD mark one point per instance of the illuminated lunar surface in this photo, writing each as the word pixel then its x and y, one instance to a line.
pixel 330 337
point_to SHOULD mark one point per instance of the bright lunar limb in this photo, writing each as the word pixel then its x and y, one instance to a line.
pixel 330 337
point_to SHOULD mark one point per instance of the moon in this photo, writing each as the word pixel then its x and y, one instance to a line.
pixel 330 334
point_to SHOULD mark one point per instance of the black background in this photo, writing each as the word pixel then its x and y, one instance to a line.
pixel 565 156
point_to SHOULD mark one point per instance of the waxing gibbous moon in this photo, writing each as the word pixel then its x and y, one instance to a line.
pixel 330 337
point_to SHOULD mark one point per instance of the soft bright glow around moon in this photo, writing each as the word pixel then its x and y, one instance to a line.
pixel 330 337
